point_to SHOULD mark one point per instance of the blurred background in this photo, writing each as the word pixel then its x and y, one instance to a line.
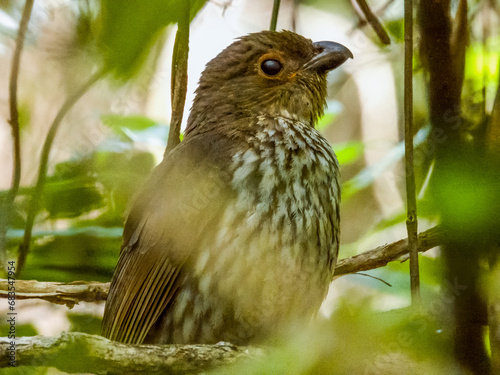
pixel 116 133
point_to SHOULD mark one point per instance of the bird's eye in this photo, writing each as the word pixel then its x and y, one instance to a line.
pixel 271 67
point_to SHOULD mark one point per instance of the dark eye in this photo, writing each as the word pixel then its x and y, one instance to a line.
pixel 271 67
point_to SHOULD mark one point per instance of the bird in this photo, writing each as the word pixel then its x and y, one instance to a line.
pixel 235 234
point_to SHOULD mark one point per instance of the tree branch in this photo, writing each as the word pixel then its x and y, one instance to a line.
pixel 384 254
pixel 77 352
pixel 70 294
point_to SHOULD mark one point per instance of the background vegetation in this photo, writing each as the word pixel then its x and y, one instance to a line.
pixel 95 76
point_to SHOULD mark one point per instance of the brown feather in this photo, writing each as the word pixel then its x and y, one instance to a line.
pixel 159 239
pixel 237 230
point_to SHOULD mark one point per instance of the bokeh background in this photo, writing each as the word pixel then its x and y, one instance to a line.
pixel 117 131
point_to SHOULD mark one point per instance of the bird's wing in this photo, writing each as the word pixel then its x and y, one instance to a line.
pixel 179 204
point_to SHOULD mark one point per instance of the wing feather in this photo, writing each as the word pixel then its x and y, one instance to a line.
pixel 159 238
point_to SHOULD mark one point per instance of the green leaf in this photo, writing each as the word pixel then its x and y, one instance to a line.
pixel 85 323
pixel 324 121
pixel 481 66
pixel 120 175
pixel 72 190
pixel 348 152
pixel 130 28
pixel 69 258
pixel 135 122
pixel 71 200
pixel 91 231
pixel 396 29
pixel 137 129
pixel 367 176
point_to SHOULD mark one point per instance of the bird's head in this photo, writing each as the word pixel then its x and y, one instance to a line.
pixel 270 73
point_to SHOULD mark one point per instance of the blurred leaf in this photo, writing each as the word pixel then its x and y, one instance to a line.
pixel 102 232
pixel 396 29
pixel 118 122
pixel 129 29
pixel 29 370
pixel 396 273
pixel 85 323
pixel 481 66
pixel 79 257
pixel 348 152
pixel 120 174
pixel 71 190
pixel 85 24
pixel 466 192
pixel 325 121
pixel 69 169
pixel 21 329
pixel 358 340
pixel 137 129
pixel 70 200
pixel 395 219
pixel 367 176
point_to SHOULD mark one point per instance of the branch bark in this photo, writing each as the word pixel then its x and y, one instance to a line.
pixel 384 254
pixel 77 352
pixel 70 294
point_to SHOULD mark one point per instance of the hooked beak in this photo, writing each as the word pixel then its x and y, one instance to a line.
pixel 330 56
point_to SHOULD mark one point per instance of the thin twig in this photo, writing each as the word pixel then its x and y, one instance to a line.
pixel 70 293
pixel 42 172
pixel 295 12
pixel 384 254
pixel 179 78
pixel 8 204
pixel 373 277
pixel 274 16
pixel 372 19
pixel 411 200
pixel 362 22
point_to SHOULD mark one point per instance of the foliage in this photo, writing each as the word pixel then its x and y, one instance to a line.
pixel 78 230
pixel 128 29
